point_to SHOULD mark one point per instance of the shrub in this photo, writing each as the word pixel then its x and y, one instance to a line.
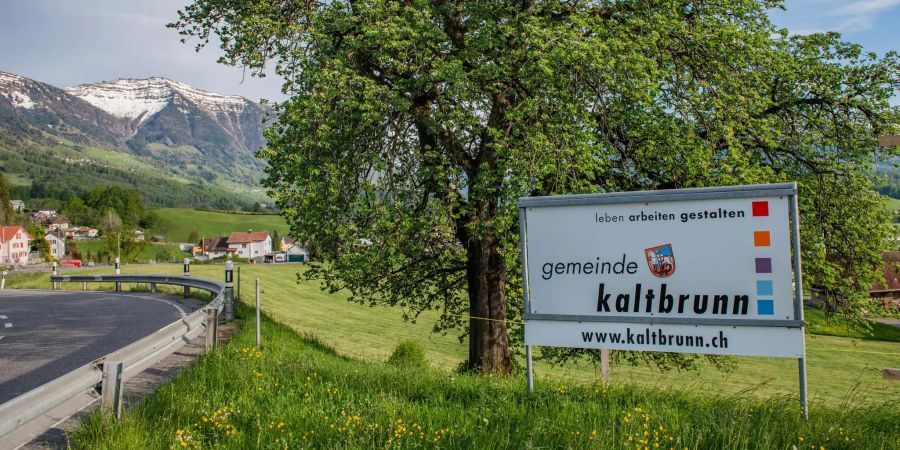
pixel 408 354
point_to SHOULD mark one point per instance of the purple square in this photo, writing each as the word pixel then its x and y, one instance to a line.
pixel 763 265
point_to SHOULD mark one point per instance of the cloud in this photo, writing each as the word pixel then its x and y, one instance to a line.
pixel 860 15
pixel 134 18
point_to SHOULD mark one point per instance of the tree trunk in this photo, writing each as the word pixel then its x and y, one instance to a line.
pixel 488 341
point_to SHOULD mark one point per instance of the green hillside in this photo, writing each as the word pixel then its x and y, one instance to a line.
pixel 51 167
pixel 176 223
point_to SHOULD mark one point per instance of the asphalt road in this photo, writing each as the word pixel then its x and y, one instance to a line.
pixel 45 334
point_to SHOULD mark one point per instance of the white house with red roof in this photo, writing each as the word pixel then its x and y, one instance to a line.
pixel 250 244
pixel 15 243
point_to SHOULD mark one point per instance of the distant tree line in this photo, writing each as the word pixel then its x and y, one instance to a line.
pixel 109 208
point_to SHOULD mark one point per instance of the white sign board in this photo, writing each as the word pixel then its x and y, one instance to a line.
pixel 695 270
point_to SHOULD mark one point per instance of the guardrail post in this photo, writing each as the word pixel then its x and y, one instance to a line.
pixel 54 285
pixel 118 272
pixel 84 285
pixel 153 288
pixel 3 281
pixel 111 390
pixel 187 272
pixel 229 290
pixel 212 325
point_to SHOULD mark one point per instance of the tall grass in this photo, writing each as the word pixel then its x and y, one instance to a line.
pixel 298 393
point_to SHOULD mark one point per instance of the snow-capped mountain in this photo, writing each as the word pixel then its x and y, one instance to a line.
pixel 162 119
pixel 28 106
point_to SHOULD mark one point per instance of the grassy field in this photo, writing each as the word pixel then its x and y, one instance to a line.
pixel 297 393
pixel 893 204
pixel 152 252
pixel 176 224
pixel 841 370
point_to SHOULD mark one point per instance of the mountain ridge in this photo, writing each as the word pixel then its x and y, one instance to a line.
pixel 191 135
pixel 203 135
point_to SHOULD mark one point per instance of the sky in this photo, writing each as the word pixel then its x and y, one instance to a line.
pixel 66 43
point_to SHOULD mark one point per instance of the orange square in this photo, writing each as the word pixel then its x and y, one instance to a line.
pixel 761 238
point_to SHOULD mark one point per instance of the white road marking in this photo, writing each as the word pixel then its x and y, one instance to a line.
pixel 1 337
pixel 7 325
pixel 3 317
pixel 162 300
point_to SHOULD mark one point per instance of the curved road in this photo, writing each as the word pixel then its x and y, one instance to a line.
pixel 45 334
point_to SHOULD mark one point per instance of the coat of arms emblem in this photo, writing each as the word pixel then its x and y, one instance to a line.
pixel 661 260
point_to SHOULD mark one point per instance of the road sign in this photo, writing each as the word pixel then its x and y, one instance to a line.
pixel 705 270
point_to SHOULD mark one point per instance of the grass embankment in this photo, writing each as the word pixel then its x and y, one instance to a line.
pixel 176 224
pixel 297 393
pixel 840 369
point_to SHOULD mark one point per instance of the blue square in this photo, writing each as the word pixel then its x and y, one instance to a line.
pixel 765 307
pixel 764 287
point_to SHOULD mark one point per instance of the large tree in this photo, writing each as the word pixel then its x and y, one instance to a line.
pixel 413 126
pixel 7 214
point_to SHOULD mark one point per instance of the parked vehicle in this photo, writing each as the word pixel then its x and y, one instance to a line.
pixel 71 263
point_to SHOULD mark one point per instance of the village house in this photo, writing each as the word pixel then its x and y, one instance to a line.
pixel 17 205
pixel 43 216
pixel 15 243
pixel 250 244
pixel 887 292
pixel 212 248
pixel 57 243
pixel 85 233
pixel 58 223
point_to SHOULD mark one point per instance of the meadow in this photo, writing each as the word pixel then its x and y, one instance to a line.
pixel 176 223
pixel 842 370
pixel 296 392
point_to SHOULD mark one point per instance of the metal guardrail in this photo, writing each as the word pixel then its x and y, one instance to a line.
pixel 108 373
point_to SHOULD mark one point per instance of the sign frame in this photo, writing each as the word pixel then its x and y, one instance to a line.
pixel 706 193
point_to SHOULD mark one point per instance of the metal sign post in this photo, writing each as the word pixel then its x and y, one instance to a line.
pixel 798 300
pixel 523 251
pixel 705 270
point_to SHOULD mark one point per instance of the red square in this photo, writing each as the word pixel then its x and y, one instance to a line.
pixel 760 209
